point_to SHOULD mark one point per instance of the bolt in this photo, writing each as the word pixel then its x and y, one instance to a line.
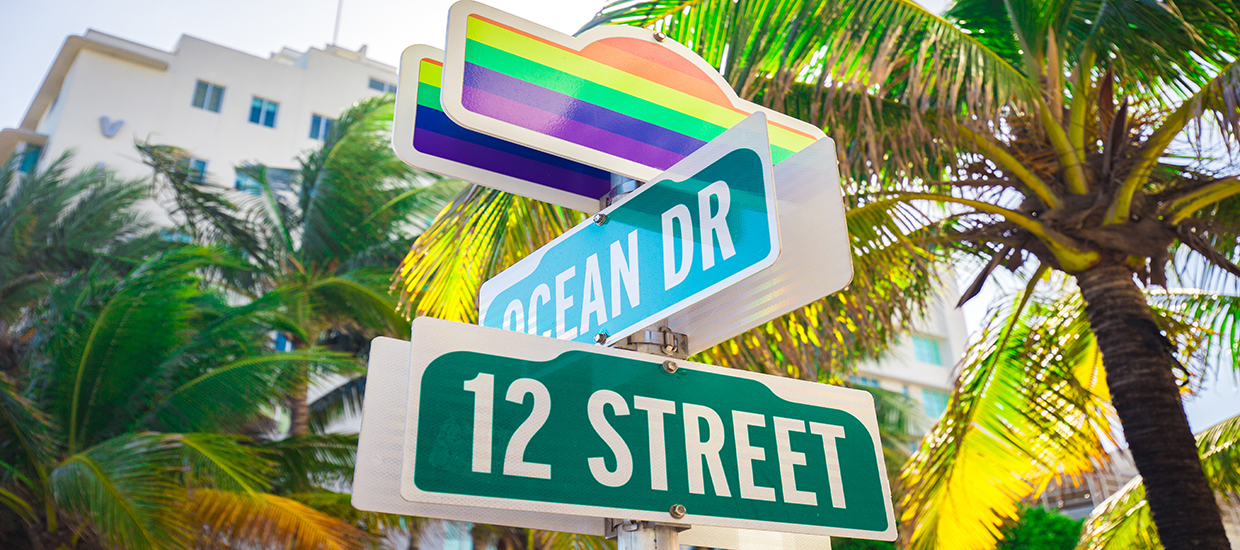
pixel 670 349
pixel 658 37
pixel 670 367
pixel 677 511
pixel 600 337
pixel 600 219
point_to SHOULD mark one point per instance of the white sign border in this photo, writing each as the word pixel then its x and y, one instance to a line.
pixel 454 82
pixel 815 258
pixel 745 134
pixel 405 120
pixel 433 338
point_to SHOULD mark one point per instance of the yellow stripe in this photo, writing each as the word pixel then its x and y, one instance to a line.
pixel 430 73
pixel 587 69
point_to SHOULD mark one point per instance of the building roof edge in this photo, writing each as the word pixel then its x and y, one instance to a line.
pixel 55 77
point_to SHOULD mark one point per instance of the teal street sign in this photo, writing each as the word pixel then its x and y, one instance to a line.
pixel 568 428
pixel 704 224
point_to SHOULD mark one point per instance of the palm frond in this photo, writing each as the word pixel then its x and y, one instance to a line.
pixel 1212 325
pixel 223 462
pixel 340 505
pixel 103 344
pixel 306 462
pixel 53 224
pixel 895 46
pixel 345 401
pixel 230 394
pixel 350 186
pixel 893 280
pixel 1030 404
pixel 480 234
pixel 125 488
pixel 360 297
pixel 200 209
pixel 1124 521
pixel 25 430
pixel 231 519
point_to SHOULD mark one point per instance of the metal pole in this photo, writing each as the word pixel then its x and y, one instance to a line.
pixel 339 10
pixel 644 535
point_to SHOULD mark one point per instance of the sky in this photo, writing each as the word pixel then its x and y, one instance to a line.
pixel 32 31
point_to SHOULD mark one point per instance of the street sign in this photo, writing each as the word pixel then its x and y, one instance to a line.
pixel 619 98
pixel 424 137
pixel 815 257
pixel 567 428
pixel 376 481
pixel 705 224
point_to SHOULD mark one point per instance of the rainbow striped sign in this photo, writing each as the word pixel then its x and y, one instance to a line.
pixel 614 98
pixel 424 137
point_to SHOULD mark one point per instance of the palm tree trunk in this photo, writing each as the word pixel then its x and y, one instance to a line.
pixel 1139 365
pixel 298 400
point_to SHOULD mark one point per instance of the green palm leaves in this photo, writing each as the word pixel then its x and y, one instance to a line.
pixel 317 243
pixel 53 223
pixel 1031 403
pixel 106 409
pixel 1047 131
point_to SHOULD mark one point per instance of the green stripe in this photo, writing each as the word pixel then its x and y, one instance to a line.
pixel 428 96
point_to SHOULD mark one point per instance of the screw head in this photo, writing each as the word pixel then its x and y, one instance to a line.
pixel 600 337
pixel 677 511
pixel 600 219
pixel 670 367
pixel 658 36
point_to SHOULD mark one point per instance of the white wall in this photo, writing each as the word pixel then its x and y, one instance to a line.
pixel 156 105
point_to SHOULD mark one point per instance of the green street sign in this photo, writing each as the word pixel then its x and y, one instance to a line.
pixel 504 420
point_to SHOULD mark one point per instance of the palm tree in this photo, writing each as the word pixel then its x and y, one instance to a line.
pixel 317 249
pixel 1048 131
pixel 114 425
pixel 1123 521
pixel 53 224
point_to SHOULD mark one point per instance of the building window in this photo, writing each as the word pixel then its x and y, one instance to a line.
pixel 29 158
pixel 263 112
pixel 247 184
pixel 935 402
pixel 863 381
pixel 381 86
pixel 197 170
pixel 926 350
pixel 320 126
pixel 208 96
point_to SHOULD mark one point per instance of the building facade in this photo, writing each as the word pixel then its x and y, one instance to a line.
pixel 922 365
pixel 103 93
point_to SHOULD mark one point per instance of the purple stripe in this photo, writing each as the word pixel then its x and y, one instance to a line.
pixel 538 97
pixel 436 121
pixel 540 121
pixel 473 154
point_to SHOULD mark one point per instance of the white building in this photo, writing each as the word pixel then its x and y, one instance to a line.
pixel 922 365
pixel 225 107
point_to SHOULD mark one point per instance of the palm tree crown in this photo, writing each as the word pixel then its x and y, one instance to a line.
pixel 1048 131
